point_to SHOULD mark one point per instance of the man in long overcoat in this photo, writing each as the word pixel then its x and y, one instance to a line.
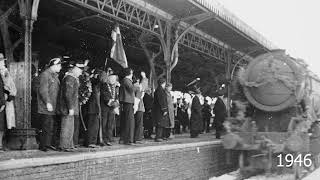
pixel 160 110
pixel 47 99
pixel 69 105
pixel 94 112
pixel 220 112
pixel 196 123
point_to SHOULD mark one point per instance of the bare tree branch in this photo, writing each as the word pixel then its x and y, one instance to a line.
pixel 144 40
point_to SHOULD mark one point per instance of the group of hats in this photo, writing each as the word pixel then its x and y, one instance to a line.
pixel 71 64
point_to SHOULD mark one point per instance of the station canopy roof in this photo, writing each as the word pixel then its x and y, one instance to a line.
pixel 71 24
pixel 225 27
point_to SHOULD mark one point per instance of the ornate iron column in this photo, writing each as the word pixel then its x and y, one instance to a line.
pixel 24 137
pixel 28 13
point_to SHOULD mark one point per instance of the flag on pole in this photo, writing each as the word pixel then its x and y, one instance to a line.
pixel 117 52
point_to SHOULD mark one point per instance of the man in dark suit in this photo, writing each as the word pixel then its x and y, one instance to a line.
pixel 94 111
pixel 196 123
pixel 126 98
pixel 147 119
pixel 206 112
pixel 220 112
pixel 109 101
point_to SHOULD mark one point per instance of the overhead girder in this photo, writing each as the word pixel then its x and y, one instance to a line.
pixel 123 11
pixel 126 12
pixel 205 46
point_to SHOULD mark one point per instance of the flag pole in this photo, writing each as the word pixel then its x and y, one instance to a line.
pixel 105 64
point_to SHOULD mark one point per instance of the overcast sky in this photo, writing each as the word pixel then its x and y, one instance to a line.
pixel 293 25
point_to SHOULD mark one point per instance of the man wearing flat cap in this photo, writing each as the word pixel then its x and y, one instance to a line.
pixel 69 105
pixel 47 97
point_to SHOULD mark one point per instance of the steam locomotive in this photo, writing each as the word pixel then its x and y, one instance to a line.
pixel 284 97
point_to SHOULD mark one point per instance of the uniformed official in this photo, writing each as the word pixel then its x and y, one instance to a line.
pixel 69 105
pixel 47 102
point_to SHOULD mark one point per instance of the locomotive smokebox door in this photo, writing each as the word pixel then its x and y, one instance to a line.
pixel 272 81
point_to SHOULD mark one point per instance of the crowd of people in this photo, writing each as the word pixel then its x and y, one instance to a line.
pixel 95 105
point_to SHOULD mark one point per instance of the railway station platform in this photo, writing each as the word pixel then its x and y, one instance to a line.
pixel 180 158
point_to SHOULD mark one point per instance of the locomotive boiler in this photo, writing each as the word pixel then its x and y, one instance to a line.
pixel 284 97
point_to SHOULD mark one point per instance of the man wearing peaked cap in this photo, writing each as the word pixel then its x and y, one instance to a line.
pixel 47 97
pixel 69 105
pixel 82 65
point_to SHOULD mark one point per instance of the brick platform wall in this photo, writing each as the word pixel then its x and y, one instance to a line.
pixel 180 161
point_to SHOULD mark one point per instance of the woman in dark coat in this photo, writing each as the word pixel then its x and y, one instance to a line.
pixel 160 110
pixel 196 123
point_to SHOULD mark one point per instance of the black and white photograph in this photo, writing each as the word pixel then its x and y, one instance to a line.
pixel 159 90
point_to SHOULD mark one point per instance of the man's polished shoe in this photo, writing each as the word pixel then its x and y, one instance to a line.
pixel 52 148
pixel 68 150
pixel 102 144
pixel 93 146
